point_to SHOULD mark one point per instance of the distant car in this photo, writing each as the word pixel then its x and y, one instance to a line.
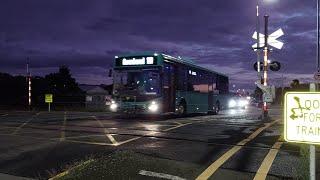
pixel 238 103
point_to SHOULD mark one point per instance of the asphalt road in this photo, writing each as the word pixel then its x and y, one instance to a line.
pixel 235 144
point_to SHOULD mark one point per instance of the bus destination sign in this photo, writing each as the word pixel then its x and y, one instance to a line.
pixel 136 61
pixel 302 117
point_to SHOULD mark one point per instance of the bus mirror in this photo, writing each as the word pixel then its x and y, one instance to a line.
pixel 110 73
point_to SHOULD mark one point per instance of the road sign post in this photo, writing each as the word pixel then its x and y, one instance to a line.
pixel 312 149
pixel 49 100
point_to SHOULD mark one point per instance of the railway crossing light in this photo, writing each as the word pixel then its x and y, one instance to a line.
pixel 273 65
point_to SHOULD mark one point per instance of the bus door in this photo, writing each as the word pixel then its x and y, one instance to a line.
pixel 169 88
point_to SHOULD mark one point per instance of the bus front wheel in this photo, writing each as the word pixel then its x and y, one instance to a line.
pixel 216 108
pixel 182 109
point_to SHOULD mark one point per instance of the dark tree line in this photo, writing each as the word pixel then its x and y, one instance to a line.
pixel 65 90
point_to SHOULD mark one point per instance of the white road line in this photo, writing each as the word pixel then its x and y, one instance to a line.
pixel 3 115
pixel 160 175
pixel 176 127
pixel 25 123
pixel 108 135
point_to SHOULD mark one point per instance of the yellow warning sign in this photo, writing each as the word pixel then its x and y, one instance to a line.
pixel 48 98
pixel 302 117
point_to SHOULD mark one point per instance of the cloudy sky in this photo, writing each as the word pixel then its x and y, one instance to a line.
pixel 87 34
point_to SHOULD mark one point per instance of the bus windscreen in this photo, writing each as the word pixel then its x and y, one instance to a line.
pixel 140 83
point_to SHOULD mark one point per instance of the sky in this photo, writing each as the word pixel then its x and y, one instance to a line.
pixel 86 35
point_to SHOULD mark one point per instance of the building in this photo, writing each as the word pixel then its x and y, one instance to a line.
pixel 97 99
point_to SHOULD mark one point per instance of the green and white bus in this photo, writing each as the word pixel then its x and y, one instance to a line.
pixel 152 83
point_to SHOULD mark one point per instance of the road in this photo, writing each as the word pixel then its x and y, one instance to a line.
pixel 235 144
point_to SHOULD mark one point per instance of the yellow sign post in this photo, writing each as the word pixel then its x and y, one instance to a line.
pixel 302 117
pixel 49 100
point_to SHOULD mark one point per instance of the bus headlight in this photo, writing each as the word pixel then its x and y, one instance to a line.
pixel 153 107
pixel 232 103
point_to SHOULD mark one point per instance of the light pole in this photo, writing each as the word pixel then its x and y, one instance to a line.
pixel 312 149
pixel 318 36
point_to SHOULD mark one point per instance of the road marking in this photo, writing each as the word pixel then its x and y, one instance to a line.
pixel 85 136
pixel 177 122
pixel 219 162
pixel 151 133
pixel 108 135
pixel 25 123
pixel 267 162
pixel 181 125
pixel 129 140
pixel 68 171
pixel 160 175
pixel 63 129
pixel 92 143
pixel 3 115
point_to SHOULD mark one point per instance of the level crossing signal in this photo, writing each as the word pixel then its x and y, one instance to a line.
pixel 274 66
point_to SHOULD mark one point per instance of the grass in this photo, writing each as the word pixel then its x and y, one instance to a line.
pixel 303 167
pixel 124 164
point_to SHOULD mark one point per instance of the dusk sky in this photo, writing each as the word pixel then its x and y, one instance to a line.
pixel 87 34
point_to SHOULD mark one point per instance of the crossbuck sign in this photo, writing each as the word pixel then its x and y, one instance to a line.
pixel 272 39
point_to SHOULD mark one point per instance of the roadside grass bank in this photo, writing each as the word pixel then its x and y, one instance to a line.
pixel 125 164
pixel 132 165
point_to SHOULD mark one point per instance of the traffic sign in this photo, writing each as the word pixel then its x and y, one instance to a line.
pixel 317 76
pixel 267 97
pixel 302 117
pixel 272 39
pixel 48 98
pixel 268 92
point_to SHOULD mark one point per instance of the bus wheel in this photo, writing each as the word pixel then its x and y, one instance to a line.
pixel 182 109
pixel 216 108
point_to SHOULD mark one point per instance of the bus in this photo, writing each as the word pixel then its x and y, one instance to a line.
pixel 155 83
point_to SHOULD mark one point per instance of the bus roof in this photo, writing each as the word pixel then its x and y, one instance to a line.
pixel 173 59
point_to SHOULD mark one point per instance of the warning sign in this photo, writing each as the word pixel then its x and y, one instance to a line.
pixel 302 117
pixel 48 98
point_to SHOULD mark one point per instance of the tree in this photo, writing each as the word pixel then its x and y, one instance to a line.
pixel 62 83
pixel 64 87
pixel 295 84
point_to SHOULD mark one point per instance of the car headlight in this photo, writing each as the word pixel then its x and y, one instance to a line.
pixel 153 107
pixel 113 106
pixel 243 103
pixel 232 103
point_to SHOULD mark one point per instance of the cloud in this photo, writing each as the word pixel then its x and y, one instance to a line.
pixel 88 34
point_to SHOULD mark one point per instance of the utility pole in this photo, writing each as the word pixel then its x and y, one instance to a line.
pixel 318 36
pixel 312 149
